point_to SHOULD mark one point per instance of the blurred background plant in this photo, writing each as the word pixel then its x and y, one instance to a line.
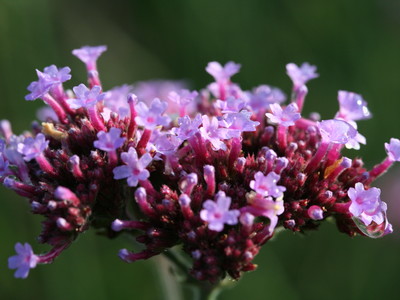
pixel 356 46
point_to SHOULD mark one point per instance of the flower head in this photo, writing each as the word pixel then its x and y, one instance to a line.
pixel 217 213
pixel 220 180
pixel 23 261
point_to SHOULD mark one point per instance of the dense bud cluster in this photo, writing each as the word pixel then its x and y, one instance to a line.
pixel 215 171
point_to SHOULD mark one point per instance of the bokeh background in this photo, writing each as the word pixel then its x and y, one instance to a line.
pixel 356 46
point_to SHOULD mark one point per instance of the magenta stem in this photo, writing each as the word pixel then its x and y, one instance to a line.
pixel 235 151
pixel 95 118
pixel 282 137
pixel 381 168
pixel 333 154
pixel 57 108
pixel 145 138
pixel 222 91
pixel 112 158
pixel 304 123
pixel 182 111
pixel 93 78
pixel 58 93
pixel 299 95
pixel 335 173
pixel 317 158
pixel 45 165
pixel 132 123
pixel 52 254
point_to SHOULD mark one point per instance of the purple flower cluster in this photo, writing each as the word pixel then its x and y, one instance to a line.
pixel 217 171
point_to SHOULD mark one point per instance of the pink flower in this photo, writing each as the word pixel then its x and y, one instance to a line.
pixel 217 214
pixel 23 261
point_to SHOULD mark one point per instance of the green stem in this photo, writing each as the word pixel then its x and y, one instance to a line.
pixel 174 274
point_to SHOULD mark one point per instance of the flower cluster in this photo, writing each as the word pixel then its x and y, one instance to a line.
pixel 216 171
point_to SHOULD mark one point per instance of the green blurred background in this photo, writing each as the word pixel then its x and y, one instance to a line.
pixel 356 46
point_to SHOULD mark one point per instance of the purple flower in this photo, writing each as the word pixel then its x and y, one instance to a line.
pixel 58 75
pixel 211 132
pixel 183 98
pixel 236 123
pixel 300 75
pixel 89 55
pixel 284 117
pixel 222 73
pixel 41 87
pixel 135 169
pixel 109 141
pixel 267 185
pixel 366 204
pixel 85 98
pixel 393 149
pixel 23 261
pixel 230 105
pixel 152 117
pixel 166 143
pixel 187 127
pixel 352 107
pixel 33 147
pixel 217 213
pixel 45 113
pixel 263 96
pixel 116 100
pixel 336 131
